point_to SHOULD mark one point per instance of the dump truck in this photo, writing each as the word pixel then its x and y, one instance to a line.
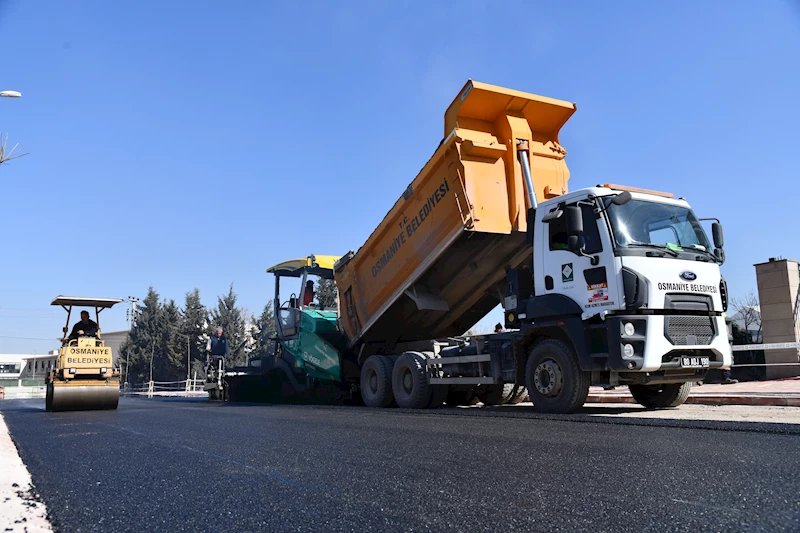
pixel 86 375
pixel 608 285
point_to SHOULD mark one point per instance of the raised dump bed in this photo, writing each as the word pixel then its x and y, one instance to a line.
pixel 437 262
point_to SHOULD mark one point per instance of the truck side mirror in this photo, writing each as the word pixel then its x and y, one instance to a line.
pixel 574 220
pixel 574 228
pixel 716 230
pixel 574 244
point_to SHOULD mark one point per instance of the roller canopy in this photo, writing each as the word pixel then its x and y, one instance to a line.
pixel 83 301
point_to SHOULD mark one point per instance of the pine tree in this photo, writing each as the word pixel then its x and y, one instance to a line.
pixel 264 330
pixel 326 294
pixel 171 357
pixel 229 317
pixel 194 327
pixel 142 339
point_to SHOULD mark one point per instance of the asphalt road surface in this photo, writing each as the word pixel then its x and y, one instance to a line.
pixel 189 465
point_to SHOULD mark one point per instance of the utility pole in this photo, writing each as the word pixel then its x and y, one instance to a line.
pixel 150 387
pixel 131 314
pixel 188 362
pixel 131 321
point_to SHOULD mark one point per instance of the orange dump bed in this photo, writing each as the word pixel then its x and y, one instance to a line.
pixel 437 262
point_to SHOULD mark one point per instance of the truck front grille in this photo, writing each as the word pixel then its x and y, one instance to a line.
pixel 688 329
pixel 685 330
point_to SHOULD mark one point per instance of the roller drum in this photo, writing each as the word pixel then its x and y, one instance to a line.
pixel 81 397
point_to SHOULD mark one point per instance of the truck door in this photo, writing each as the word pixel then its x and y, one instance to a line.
pixel 592 286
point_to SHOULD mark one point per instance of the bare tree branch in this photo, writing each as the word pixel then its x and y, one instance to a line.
pixel 5 154
pixel 747 312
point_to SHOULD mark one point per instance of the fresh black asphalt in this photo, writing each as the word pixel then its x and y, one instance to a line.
pixel 190 465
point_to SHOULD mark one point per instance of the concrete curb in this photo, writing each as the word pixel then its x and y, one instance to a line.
pixel 707 400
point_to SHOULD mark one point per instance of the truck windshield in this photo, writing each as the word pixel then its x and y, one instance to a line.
pixel 653 224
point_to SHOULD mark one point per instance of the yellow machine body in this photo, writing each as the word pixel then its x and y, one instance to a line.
pixel 85 376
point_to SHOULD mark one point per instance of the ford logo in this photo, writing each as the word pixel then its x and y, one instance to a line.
pixel 688 276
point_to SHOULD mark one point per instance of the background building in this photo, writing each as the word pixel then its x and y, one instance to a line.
pixel 779 297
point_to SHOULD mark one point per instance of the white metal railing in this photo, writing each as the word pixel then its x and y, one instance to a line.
pixel 186 387
pixel 768 346
pixel 24 393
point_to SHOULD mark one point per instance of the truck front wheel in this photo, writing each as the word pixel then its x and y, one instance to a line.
pixel 660 396
pixel 556 384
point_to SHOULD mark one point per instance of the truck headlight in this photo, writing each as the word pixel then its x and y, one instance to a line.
pixel 628 329
pixel 627 350
pixel 72 370
pixel 103 370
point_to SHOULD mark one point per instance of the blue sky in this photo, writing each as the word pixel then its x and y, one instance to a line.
pixel 193 144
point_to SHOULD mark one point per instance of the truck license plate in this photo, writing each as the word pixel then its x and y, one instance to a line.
pixel 694 362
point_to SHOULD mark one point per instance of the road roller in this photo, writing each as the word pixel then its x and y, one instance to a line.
pixel 85 376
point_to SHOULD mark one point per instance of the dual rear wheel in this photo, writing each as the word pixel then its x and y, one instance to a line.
pixel 402 380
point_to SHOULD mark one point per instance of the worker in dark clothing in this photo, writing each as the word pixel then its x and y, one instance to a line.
pixel 308 293
pixel 218 345
pixel 85 328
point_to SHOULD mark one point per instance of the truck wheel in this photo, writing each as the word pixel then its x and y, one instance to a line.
pixel 410 381
pixel 658 396
pixel 498 394
pixel 556 384
pixel 376 382
pixel 518 395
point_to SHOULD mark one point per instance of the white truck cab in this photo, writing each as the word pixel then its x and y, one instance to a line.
pixel 628 282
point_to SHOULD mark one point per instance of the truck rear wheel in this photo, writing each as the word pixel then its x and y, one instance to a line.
pixel 410 381
pixel 498 394
pixel 518 395
pixel 660 396
pixel 556 384
pixel 376 381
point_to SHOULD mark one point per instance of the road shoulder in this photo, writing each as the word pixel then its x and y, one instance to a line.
pixel 21 510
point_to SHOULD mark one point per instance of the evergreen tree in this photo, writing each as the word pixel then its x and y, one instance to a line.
pixel 264 330
pixel 142 339
pixel 194 327
pixel 170 364
pixel 154 347
pixel 229 317
pixel 327 294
